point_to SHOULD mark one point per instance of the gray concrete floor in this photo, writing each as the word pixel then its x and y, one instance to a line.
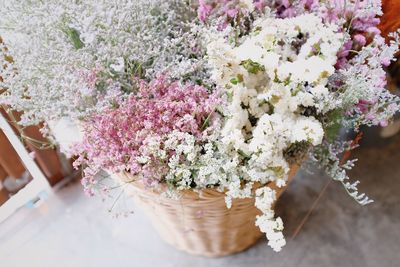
pixel 71 230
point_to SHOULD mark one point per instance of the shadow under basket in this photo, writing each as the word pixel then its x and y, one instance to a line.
pixel 200 223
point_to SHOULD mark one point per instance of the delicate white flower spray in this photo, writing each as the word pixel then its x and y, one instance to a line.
pixel 272 77
pixel 73 58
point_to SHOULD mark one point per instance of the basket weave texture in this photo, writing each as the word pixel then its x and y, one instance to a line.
pixel 199 223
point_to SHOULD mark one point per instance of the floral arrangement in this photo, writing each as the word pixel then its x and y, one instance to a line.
pixel 212 94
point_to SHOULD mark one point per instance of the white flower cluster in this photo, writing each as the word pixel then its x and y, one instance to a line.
pixel 198 165
pixel 193 163
pixel 271 226
pixel 272 77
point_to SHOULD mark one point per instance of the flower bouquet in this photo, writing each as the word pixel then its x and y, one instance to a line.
pixel 203 111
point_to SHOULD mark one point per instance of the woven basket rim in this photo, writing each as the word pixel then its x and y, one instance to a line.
pixel 199 194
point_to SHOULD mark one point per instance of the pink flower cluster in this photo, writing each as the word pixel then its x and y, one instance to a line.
pixel 363 24
pixel 288 8
pixel 116 139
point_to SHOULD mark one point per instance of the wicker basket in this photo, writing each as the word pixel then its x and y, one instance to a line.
pixel 200 223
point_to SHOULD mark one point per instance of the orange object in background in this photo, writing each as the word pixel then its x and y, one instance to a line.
pixel 9 159
pixel 4 194
pixel 10 165
pixel 390 21
pixel 3 174
pixel 47 159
